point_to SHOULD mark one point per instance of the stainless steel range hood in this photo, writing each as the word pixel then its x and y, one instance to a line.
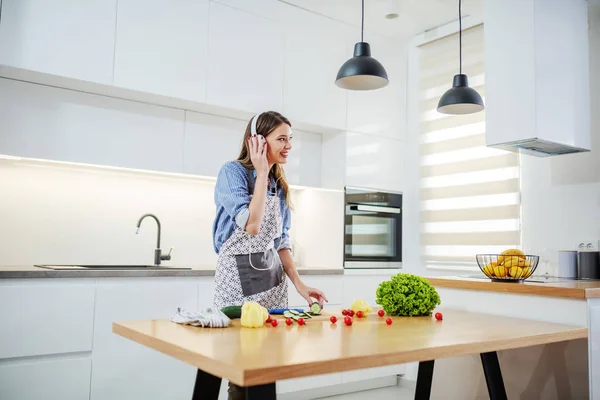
pixel 537 76
pixel 539 147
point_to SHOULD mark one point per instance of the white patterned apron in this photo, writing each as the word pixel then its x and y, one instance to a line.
pixel 249 267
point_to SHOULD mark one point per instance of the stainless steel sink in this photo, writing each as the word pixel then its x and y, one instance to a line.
pixel 111 267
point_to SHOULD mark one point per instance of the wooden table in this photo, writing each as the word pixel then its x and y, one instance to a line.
pixel 257 358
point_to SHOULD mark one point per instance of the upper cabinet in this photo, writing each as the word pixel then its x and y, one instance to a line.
pixel 162 47
pixel 245 60
pixel 315 48
pixel 374 162
pixel 382 111
pixel 72 38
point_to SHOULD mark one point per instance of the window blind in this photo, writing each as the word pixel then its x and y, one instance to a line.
pixel 470 194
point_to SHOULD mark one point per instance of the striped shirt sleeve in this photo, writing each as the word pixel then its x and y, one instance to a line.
pixel 231 191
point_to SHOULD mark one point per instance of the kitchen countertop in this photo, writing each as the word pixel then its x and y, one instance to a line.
pixel 554 287
pixel 32 272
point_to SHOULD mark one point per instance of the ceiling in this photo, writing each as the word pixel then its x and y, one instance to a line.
pixel 414 16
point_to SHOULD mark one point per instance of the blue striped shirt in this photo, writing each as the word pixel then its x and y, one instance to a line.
pixel 232 199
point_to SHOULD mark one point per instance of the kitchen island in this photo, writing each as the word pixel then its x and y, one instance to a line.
pixel 58 340
pixel 552 372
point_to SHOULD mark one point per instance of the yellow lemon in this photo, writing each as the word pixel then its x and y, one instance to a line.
pixel 500 271
pixel 510 252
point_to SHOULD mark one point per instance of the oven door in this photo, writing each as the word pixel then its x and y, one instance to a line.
pixel 373 234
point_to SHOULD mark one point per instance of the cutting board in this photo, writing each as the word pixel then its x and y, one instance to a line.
pixel 324 316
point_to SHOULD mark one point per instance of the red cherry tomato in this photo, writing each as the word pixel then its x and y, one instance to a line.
pixel 268 319
pixel 351 313
pixel 381 313
pixel 288 321
pixel 348 320
pixel 359 314
pixel 300 321
pixel 274 322
pixel 344 312
pixel 438 316
pixel 333 319
pixel 389 321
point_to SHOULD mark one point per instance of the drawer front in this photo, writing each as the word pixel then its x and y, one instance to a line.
pixel 45 319
pixel 60 379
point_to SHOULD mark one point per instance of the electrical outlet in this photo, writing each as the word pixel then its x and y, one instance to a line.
pixel 588 245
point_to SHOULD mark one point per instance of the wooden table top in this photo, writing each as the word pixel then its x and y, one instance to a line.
pixel 247 356
pixel 569 288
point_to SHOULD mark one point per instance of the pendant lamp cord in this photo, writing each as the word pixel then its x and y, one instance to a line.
pixel 362 26
pixel 460 36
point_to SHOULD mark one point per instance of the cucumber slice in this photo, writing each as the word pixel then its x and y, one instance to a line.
pixel 315 308
pixel 294 312
pixel 287 314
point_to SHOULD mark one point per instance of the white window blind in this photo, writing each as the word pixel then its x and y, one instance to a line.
pixel 470 194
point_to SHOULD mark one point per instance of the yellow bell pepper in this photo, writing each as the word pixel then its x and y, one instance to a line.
pixel 361 305
pixel 253 315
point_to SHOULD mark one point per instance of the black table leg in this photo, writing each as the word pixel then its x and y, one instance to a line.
pixel 493 376
pixel 424 379
pixel 261 392
pixel 207 386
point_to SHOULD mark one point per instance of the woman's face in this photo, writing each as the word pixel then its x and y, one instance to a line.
pixel 279 144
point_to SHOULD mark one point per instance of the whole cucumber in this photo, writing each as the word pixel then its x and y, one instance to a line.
pixel 233 312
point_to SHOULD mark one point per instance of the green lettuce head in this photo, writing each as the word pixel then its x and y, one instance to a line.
pixel 407 295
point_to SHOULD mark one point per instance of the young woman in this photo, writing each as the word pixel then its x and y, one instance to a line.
pixel 251 228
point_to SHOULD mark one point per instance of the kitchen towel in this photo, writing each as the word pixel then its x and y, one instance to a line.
pixel 206 318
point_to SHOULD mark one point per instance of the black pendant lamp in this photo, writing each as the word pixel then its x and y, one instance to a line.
pixel 460 99
pixel 362 72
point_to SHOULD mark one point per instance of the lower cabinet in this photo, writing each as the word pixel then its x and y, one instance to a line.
pixel 66 379
pixel 123 369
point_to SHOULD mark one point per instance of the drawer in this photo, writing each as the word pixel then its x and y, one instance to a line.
pixel 60 379
pixel 45 319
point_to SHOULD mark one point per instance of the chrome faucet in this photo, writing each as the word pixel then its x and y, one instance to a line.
pixel 157 252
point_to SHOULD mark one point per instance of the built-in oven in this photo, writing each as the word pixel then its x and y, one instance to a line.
pixel 372 228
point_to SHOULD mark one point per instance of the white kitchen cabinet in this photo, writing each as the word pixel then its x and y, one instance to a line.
pixel 331 285
pixel 374 162
pixel 67 379
pixel 45 318
pixel 162 47
pixel 245 60
pixel 304 164
pixel 206 288
pixel 124 369
pixel 72 38
pixel 309 92
pixel 64 125
pixel 382 111
pixel 209 142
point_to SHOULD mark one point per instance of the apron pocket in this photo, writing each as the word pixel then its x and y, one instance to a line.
pixel 259 272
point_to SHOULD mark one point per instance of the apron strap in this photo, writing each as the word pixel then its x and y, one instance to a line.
pixel 251 180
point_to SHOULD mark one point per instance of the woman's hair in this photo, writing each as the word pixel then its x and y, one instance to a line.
pixel 266 123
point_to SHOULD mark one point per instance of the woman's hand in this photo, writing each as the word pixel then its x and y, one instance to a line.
pixel 258 154
pixel 308 293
